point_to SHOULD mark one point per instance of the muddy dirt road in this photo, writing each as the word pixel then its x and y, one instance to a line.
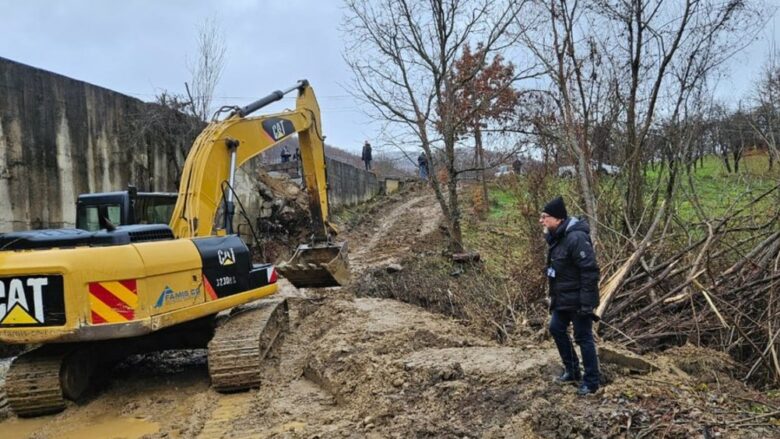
pixel 362 367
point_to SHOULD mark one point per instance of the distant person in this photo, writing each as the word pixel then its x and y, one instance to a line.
pixel 366 156
pixel 297 159
pixel 517 165
pixel 285 154
pixel 422 164
pixel 573 275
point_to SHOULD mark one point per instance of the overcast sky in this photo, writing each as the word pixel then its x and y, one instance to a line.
pixel 140 48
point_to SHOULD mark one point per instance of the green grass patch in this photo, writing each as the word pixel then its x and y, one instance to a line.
pixel 718 191
pixel 509 236
pixel 503 204
pixel 510 233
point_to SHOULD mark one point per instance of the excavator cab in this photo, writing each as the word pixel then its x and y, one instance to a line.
pixel 317 266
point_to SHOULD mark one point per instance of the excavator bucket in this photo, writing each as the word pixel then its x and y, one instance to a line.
pixel 317 266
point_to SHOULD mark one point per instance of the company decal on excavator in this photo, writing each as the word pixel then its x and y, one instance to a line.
pixel 170 297
pixel 278 128
pixel 32 301
pixel 113 302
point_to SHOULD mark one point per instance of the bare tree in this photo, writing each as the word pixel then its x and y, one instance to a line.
pixel 573 64
pixel 765 119
pixel 207 69
pixel 660 41
pixel 402 53
pixel 737 136
pixel 648 56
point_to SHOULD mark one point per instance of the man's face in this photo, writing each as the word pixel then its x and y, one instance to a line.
pixel 550 223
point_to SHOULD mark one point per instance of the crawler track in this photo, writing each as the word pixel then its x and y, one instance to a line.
pixel 33 383
pixel 240 345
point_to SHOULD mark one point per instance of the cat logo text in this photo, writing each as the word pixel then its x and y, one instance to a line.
pixel 25 301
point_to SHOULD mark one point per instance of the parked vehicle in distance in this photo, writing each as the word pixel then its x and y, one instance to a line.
pixel 503 170
pixel 570 171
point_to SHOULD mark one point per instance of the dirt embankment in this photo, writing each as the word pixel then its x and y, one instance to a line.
pixel 365 367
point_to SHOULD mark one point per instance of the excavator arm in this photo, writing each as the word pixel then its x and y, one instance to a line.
pixel 209 171
pixel 226 145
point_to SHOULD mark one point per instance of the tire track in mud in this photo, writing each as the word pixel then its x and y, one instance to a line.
pixel 288 402
pixel 393 235
pixel 220 421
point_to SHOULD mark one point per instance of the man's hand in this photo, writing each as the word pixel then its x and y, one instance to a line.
pixel 587 311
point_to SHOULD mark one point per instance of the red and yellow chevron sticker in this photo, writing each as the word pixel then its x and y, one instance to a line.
pixel 209 289
pixel 113 302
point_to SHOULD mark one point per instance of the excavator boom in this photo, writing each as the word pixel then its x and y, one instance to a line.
pixel 207 182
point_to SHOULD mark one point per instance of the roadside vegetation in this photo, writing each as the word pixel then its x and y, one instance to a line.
pixel 710 379
pixel 688 288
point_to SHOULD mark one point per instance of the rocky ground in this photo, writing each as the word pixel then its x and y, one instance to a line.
pixel 365 367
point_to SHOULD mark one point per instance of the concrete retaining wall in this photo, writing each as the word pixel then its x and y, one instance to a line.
pixel 60 137
pixel 348 185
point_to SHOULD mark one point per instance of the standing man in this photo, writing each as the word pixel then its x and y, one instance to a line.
pixel 297 159
pixel 573 275
pixel 517 166
pixel 366 157
pixel 285 154
pixel 422 164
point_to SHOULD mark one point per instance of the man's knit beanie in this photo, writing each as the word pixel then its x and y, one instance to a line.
pixel 556 208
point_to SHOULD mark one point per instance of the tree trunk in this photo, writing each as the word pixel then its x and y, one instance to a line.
pixel 481 155
pixel 738 154
pixel 634 193
pixel 635 187
pixel 726 162
pixel 586 188
pixel 456 237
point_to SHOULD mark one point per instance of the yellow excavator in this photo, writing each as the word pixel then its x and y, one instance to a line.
pixel 91 298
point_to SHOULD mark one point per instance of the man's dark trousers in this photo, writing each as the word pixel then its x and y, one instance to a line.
pixel 583 336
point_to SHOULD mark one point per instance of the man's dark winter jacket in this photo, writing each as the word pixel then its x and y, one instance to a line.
pixel 574 285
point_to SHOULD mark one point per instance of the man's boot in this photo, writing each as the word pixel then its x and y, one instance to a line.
pixel 586 390
pixel 569 377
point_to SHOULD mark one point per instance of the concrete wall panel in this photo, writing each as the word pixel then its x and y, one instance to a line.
pixel 60 137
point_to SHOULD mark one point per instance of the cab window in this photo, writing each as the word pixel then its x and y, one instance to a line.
pixel 88 216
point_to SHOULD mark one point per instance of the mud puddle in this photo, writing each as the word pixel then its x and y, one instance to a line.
pixel 102 426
